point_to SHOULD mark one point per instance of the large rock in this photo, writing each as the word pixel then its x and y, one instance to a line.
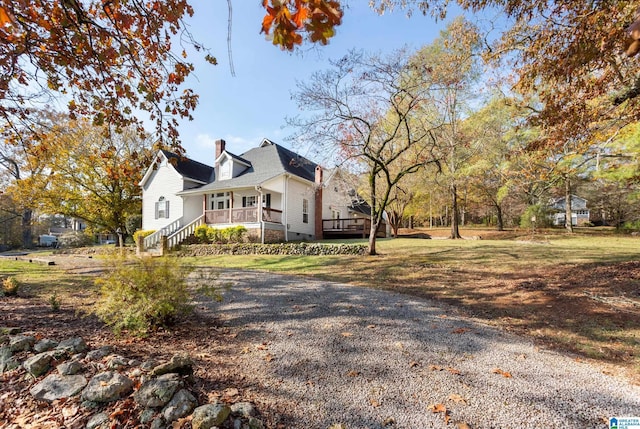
pixel 210 415
pixel 157 392
pixel 182 364
pixel 38 364
pixel 69 368
pixel 56 386
pixel 99 353
pixel 44 345
pixel 21 343
pixel 73 345
pixel 7 361
pixel 98 421
pixel 106 387
pixel 181 405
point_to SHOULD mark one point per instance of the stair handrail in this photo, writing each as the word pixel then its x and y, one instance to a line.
pixel 152 239
pixel 180 235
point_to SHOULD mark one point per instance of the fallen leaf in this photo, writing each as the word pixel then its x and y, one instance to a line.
pixel 413 364
pixel 104 383
pixel 454 371
pixel 460 331
pixel 502 373
pixel 181 422
pixel 289 334
pixel 231 392
pixel 435 368
pixel 269 357
pixel 245 350
pixel 346 334
pixel 442 316
pixel 462 425
pixel 337 426
pixel 353 373
pixel 262 346
pixel 372 327
pixel 389 421
pixel 374 403
pixel 437 408
pixel 457 398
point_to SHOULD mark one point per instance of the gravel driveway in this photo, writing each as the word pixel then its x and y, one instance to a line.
pixel 339 354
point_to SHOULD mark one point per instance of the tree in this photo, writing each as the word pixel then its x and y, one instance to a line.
pixel 364 110
pixel 87 173
pixel 498 134
pixel 110 60
pixel 452 65
pixel 569 53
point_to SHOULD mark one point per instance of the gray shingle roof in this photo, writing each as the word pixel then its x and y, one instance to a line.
pixel 267 161
pixel 189 168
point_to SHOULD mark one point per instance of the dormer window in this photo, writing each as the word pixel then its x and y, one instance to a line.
pixel 225 169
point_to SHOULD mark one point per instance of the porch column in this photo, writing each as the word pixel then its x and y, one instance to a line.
pixel 204 207
pixel 318 204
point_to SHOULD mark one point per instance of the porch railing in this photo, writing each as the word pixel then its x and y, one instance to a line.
pixel 241 215
pixel 151 240
pixel 346 225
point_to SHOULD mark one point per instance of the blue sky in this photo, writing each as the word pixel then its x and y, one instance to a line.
pixel 253 104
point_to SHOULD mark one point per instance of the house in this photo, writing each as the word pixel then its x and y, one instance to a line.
pixel 579 211
pixel 277 194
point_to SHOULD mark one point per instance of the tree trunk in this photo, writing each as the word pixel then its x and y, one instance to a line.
pixel 27 236
pixel 499 217
pixel 568 224
pixel 372 237
pixel 455 231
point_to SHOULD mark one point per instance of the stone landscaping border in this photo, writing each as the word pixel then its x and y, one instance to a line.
pixel 299 249
pixel 157 394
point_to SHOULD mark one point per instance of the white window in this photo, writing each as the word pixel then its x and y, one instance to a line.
pixel 220 201
pixel 250 201
pixel 305 211
pixel 162 208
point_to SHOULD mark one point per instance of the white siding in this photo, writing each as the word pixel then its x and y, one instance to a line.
pixel 163 182
pixel 297 191
pixel 192 208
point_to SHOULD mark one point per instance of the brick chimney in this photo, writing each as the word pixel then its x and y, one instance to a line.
pixel 220 146
pixel 318 204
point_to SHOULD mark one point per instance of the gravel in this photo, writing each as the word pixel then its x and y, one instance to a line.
pixel 363 358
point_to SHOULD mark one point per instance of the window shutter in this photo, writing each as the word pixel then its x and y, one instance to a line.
pixel 244 201
pixel 157 209
pixel 269 200
pixel 166 213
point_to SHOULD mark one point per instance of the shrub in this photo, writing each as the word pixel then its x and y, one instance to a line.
pixel 141 295
pixel 542 215
pixel 142 233
pixel 10 286
pixel 234 234
pixel 54 302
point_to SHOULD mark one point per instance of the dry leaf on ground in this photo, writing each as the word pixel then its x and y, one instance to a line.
pixel 457 398
pixel 502 373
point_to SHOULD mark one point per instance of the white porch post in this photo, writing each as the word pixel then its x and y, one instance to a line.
pixel 259 208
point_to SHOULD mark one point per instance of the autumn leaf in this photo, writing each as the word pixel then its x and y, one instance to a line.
pixel 460 331
pixel 502 373
pixel 269 357
pixel 4 17
pixel 374 402
pixel 435 368
pixel 437 408
pixel 413 364
pixel 454 371
pixel 457 398
pixel 346 334
pixel 353 373
pixel 462 425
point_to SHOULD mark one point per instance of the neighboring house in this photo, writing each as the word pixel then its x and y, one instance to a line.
pixel 274 192
pixel 579 211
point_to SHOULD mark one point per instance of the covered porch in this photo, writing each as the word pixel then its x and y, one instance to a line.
pixel 243 206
